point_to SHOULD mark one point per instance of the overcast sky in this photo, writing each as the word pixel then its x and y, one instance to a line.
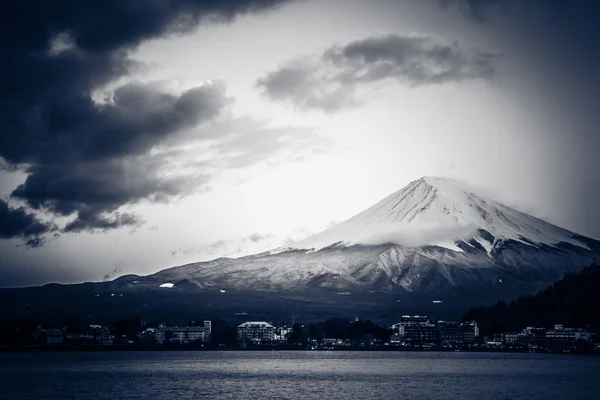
pixel 135 137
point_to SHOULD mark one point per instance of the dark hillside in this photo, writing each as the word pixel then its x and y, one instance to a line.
pixel 573 301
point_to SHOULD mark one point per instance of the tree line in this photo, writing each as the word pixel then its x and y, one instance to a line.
pixel 573 301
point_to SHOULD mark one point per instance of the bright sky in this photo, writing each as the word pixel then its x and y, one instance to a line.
pixel 283 159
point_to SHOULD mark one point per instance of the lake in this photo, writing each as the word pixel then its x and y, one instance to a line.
pixel 298 375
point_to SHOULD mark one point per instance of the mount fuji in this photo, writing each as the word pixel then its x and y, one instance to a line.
pixel 433 235
pixel 436 240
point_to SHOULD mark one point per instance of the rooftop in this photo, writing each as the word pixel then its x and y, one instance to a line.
pixel 258 324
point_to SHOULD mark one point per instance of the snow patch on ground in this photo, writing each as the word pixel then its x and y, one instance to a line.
pixel 485 244
pixel 449 245
pixel 167 285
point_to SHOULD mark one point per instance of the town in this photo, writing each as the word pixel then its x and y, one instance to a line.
pixel 411 332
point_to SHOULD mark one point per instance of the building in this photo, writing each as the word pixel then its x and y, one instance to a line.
pixel 470 332
pixel 498 337
pixel 281 334
pixel 256 332
pixel 106 339
pixel 532 337
pixel 207 329
pixel 568 335
pixel 184 335
pixel 414 330
pixel 50 336
pixel 409 320
pixel 450 334
pixel 511 337
pixel 420 335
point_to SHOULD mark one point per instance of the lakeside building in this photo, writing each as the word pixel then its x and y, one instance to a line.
pixel 50 336
pixel 470 332
pixel 511 337
pixel 450 334
pixel 184 335
pixel 557 339
pixel 255 332
pixel 281 333
pixel 568 335
pixel 418 330
pixel 409 320
pixel 533 337
pixel 414 330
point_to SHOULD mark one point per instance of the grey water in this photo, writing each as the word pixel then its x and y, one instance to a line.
pixel 298 375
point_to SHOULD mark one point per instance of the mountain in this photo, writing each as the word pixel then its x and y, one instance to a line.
pixel 432 236
pixel 433 245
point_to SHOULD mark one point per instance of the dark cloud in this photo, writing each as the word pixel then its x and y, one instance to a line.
pixel 85 157
pixel 329 83
pixel 18 223
pixel 94 190
pixel 89 220
pixel 307 86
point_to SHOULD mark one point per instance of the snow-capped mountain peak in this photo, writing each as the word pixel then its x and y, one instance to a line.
pixel 433 236
pixel 440 211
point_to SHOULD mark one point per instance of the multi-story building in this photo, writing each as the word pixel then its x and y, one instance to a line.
pixel 450 334
pixel 572 335
pixel 256 332
pixel 420 335
pixel 532 337
pixel 106 339
pixel 414 330
pixel 409 320
pixel 50 336
pixel 511 337
pixel 281 334
pixel 184 335
pixel 470 332
pixel 207 330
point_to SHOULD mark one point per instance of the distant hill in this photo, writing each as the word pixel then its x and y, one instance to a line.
pixel 573 301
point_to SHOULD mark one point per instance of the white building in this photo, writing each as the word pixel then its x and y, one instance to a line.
pixel 256 332
pixel 559 333
pixel 185 334
pixel 410 320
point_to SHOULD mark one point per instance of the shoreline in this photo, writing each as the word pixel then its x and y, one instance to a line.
pixel 100 348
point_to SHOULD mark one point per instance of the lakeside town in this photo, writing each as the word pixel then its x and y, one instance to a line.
pixel 411 332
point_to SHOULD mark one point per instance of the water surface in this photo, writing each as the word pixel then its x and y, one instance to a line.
pixel 298 375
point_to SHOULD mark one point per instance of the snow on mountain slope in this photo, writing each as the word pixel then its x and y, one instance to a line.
pixel 437 211
pixel 431 236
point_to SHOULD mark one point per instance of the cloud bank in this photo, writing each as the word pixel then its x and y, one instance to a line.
pixel 18 223
pixel 87 158
pixel 329 82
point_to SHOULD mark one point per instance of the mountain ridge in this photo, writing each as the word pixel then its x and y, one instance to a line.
pixel 474 250
pixel 433 235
